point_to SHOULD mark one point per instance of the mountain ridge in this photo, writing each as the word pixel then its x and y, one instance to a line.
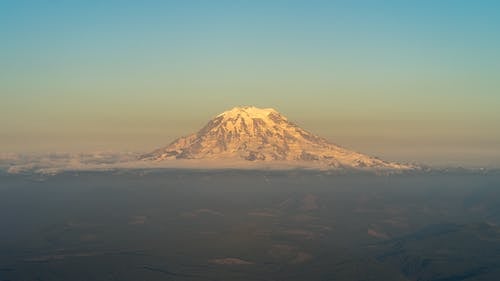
pixel 263 135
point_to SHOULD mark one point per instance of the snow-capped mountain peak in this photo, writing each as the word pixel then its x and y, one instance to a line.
pixel 262 134
pixel 249 111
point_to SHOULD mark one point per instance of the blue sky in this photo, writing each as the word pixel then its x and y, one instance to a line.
pixel 405 80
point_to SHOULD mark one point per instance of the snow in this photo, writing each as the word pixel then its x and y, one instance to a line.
pixel 253 134
pixel 248 112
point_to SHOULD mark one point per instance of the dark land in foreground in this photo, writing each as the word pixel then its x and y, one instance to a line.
pixel 249 225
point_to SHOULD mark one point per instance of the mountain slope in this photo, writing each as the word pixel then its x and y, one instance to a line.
pixel 255 134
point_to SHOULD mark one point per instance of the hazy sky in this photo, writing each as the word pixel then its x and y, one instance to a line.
pixel 404 80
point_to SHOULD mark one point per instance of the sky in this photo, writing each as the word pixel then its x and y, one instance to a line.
pixel 410 81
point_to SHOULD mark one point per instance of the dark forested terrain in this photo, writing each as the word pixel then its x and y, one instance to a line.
pixel 249 225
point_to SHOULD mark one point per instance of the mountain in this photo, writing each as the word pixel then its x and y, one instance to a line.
pixel 263 135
